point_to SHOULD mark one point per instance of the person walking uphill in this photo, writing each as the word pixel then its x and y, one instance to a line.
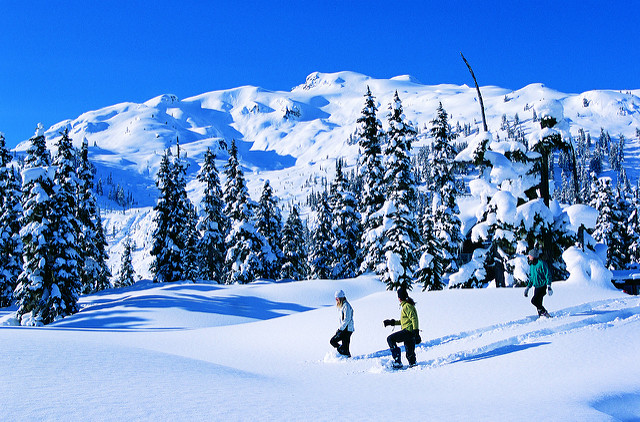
pixel 540 280
pixel 345 316
pixel 410 333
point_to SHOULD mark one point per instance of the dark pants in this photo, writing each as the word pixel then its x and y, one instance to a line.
pixel 409 340
pixel 343 336
pixel 536 300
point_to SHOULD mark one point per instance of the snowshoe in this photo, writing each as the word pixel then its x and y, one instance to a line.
pixel 344 352
pixel 396 365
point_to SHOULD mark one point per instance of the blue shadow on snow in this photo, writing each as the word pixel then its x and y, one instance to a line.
pixel 500 351
pixel 103 316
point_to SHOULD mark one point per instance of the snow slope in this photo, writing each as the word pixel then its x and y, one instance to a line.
pixel 261 352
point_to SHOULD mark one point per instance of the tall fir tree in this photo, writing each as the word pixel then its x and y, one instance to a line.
pixel 191 236
pixel 322 254
pixel 372 176
pixel 610 224
pixel 231 189
pixel 173 223
pixel 213 223
pixel 446 222
pixel 10 220
pixel 294 261
pixel 94 272
pixel 429 272
pixel 66 227
pixel 37 297
pixel 345 230
pixel 633 230
pixel 401 237
pixel 183 231
pixel 269 225
pixel 245 245
pixel 162 250
pixel 126 276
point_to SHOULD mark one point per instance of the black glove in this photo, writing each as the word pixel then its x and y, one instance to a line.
pixel 417 336
pixel 526 292
pixel 388 322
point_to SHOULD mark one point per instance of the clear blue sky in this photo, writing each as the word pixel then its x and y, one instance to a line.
pixel 61 58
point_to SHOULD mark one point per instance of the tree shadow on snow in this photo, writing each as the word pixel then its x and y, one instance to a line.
pixel 500 351
pixel 129 313
pixel 593 312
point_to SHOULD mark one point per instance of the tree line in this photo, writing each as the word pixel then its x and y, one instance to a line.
pixel 366 222
pixel 394 215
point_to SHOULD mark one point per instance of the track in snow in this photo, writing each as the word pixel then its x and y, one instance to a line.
pixel 521 334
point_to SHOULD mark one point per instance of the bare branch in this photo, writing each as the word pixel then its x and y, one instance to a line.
pixel 484 119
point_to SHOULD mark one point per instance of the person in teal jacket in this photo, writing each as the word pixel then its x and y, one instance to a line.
pixel 410 333
pixel 540 280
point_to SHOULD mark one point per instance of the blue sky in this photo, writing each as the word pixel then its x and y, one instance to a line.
pixel 59 59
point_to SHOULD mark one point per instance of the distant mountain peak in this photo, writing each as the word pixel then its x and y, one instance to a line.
pixel 331 80
pixel 407 78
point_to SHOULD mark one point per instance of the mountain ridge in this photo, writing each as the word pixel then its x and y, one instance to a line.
pixel 293 137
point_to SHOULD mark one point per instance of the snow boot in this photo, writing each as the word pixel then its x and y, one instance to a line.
pixel 543 313
pixel 397 360
pixel 343 352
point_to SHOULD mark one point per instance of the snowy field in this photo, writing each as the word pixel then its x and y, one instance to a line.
pixel 260 352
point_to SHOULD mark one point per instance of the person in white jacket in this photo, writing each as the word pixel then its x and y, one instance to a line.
pixel 345 316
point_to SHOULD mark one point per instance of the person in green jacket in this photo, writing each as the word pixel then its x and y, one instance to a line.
pixel 540 280
pixel 410 333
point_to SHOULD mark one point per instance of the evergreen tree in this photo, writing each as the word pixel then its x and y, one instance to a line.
pixel 173 222
pixel 345 229
pixel 66 227
pixel 446 222
pixel 322 253
pixel 633 232
pixel 624 185
pixel 190 253
pixel 372 176
pixel 94 272
pixel 429 273
pixel 38 298
pixel 10 219
pixel 245 245
pixel 269 225
pixel 610 225
pixel 163 251
pixel 49 285
pixel 213 223
pixel 231 190
pixel 183 232
pixel 401 236
pixel 127 272
pixel 294 262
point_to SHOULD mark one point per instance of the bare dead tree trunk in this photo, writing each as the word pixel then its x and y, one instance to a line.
pixel 484 119
pixel 576 186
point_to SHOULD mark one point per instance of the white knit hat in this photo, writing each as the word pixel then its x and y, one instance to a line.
pixel 339 294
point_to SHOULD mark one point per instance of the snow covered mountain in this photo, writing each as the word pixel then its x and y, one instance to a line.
pixel 292 137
